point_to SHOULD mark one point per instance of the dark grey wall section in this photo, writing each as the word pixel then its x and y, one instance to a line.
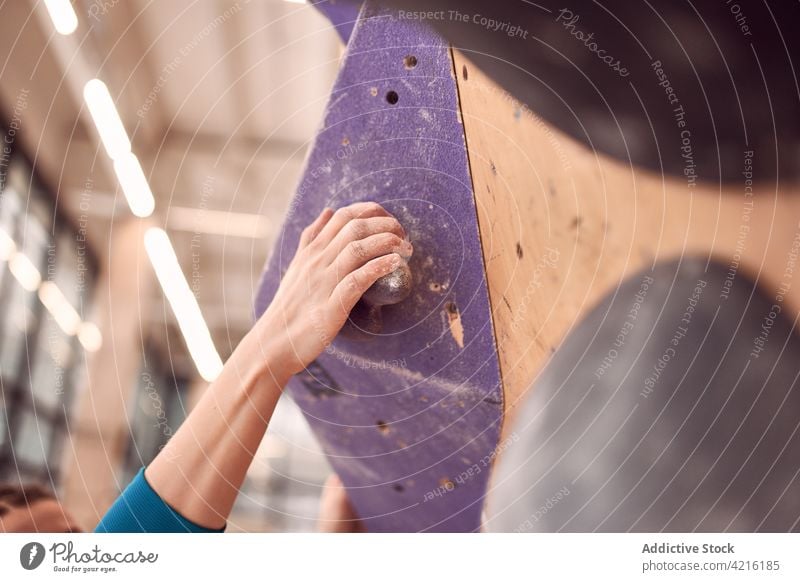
pixel 673 407
pixel 614 75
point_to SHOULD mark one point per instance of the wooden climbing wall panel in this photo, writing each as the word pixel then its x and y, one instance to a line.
pixel 563 226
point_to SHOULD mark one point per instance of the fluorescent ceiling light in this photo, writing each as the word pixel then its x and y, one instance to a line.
pixel 90 337
pixel 24 271
pixel 106 119
pixel 183 302
pixel 218 222
pixel 134 185
pixel 296 1
pixel 59 307
pixel 63 16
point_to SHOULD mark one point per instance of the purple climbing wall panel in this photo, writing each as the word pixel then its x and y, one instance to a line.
pixel 409 418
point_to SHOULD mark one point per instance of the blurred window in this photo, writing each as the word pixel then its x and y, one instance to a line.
pixel 40 363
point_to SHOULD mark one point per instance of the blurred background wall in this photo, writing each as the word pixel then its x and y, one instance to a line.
pixel 220 100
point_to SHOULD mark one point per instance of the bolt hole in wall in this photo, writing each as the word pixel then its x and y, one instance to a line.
pixel 392 97
pixel 410 61
pixel 382 426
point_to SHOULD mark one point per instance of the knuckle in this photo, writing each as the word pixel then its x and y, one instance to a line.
pixel 358 228
pixel 344 213
pixel 357 249
pixel 351 282
pixel 391 240
pixel 390 262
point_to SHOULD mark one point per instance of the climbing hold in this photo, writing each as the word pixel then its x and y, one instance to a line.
pixel 391 288
pixel 366 319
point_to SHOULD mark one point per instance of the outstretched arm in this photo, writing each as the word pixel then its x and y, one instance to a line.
pixel 340 255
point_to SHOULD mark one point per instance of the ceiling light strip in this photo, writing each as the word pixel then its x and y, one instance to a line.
pixel 183 302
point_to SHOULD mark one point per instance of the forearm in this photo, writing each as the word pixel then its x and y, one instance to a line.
pixel 200 470
pixel 339 257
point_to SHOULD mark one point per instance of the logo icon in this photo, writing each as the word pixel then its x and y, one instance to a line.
pixel 31 555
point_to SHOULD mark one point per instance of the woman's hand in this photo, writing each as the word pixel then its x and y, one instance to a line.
pixel 341 254
pixel 199 472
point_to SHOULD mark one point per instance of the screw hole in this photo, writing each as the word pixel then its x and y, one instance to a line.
pixel 410 61
pixel 392 97
pixel 399 488
pixel 382 426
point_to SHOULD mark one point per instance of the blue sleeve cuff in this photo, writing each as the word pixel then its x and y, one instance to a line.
pixel 140 510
